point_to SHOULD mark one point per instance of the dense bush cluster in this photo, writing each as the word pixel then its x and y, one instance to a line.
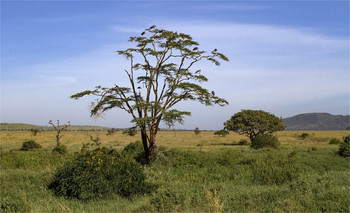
pixel 304 135
pixel 30 145
pixel 99 174
pixel 334 141
pixel 265 140
pixel 344 147
pixel 61 149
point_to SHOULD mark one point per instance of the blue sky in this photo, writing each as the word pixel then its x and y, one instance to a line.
pixel 286 57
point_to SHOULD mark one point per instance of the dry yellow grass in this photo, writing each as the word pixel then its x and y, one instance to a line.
pixel 205 141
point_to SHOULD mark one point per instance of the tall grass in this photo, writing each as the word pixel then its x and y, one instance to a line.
pixel 216 178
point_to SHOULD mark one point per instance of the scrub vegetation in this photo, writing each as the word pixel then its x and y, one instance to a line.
pixel 221 175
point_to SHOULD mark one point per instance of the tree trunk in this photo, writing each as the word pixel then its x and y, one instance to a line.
pixel 144 141
pixel 152 143
pixel 58 139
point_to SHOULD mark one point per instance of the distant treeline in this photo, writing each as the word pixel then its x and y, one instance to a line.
pixel 29 127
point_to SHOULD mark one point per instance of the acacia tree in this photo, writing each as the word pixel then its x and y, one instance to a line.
pixel 162 77
pixel 254 122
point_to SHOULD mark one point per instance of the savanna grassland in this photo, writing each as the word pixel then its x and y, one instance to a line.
pixel 193 173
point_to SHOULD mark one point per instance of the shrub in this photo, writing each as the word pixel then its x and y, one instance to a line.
pixel 265 140
pixel 100 173
pixel 130 132
pixel 334 141
pixel 304 135
pixel 135 150
pixel 10 202
pixel 243 142
pixel 344 147
pixel 30 145
pixel 222 133
pixel 61 149
pixel 275 170
pixel 166 201
pixel 111 131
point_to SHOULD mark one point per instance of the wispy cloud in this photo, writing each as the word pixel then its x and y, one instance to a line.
pixel 232 6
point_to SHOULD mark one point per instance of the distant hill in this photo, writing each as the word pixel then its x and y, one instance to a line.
pixel 28 127
pixel 317 121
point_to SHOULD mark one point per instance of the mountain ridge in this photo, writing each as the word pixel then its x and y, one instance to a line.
pixel 317 121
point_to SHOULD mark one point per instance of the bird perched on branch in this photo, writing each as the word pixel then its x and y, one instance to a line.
pixel 196 48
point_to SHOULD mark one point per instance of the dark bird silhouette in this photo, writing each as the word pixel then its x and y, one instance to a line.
pixel 215 50
pixel 213 93
pixel 196 48
pixel 143 33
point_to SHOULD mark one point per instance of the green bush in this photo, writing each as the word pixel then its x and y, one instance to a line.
pixel 304 135
pixel 30 145
pixel 275 170
pixel 100 173
pixel 135 150
pixel 221 133
pixel 334 141
pixel 344 147
pixel 243 142
pixel 10 202
pixel 265 140
pixel 166 201
pixel 61 149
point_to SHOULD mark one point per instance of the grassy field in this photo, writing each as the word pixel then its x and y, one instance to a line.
pixel 205 141
pixel 194 173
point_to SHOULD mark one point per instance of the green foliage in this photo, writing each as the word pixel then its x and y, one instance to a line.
pixel 275 170
pixel 265 141
pixel 30 145
pixel 130 132
pixel 166 201
pixel 194 181
pixel 344 147
pixel 10 202
pixel 135 150
pixel 243 142
pixel 61 149
pixel 100 174
pixel 221 133
pixel 164 61
pixel 334 141
pixel 304 135
pixel 253 123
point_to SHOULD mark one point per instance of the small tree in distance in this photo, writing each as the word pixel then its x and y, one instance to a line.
pixel 58 130
pixel 197 131
pixel 35 131
pixel 162 77
pixel 254 122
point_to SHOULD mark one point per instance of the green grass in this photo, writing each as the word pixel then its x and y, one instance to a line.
pixel 213 177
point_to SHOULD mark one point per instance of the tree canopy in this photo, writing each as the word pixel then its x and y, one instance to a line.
pixel 253 123
pixel 160 75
